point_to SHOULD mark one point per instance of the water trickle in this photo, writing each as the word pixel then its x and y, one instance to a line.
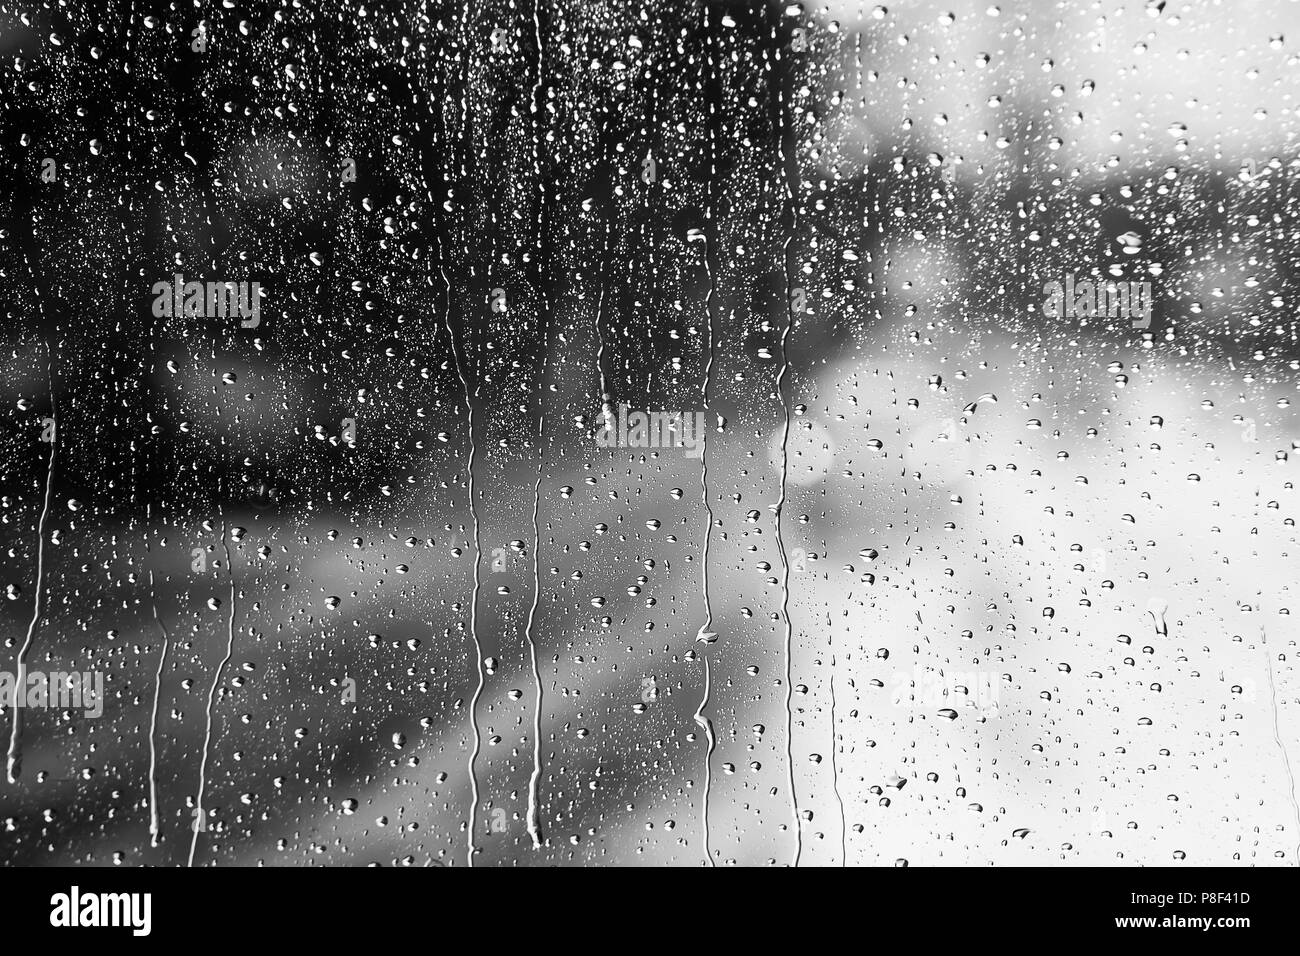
pixel 14 761
pixel 199 824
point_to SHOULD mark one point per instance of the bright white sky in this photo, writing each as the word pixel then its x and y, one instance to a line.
pixel 1154 75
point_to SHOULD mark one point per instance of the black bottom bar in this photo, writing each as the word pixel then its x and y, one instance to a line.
pixel 339 905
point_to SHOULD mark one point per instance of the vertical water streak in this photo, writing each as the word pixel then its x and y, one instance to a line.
pixel 471 848
pixel 543 321
pixel 710 742
pixel 835 764
pixel 534 830
pixel 14 761
pixel 606 412
pixel 1277 736
pixel 478 552
pixel 791 215
pixel 199 820
pixel 157 693
pixel 706 634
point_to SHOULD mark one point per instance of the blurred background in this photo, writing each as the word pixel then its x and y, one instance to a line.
pixel 955 583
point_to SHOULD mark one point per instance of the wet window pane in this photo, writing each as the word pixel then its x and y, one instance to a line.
pixel 658 433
